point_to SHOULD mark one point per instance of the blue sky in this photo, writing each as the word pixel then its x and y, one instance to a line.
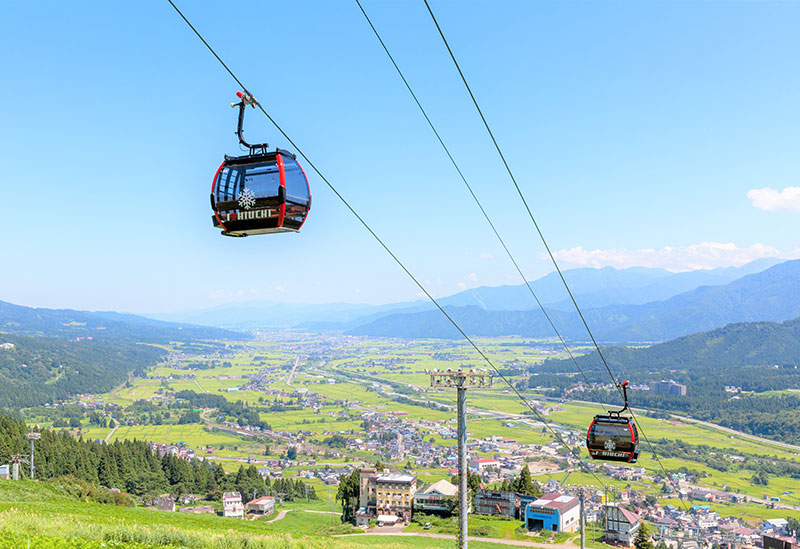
pixel 658 133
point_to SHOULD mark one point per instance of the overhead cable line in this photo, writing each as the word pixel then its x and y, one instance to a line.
pixel 474 196
pixel 384 245
pixel 538 229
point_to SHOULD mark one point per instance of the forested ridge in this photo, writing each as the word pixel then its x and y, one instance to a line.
pixel 755 357
pixel 34 370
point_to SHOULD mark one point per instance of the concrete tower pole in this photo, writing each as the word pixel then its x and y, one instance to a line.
pixel 32 436
pixel 463 491
pixel 461 379
pixel 583 520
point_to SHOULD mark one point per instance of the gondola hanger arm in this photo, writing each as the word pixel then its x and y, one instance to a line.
pixel 624 386
pixel 247 99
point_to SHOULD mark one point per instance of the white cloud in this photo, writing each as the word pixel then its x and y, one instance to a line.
pixel 486 256
pixel 472 277
pixel 704 255
pixel 787 200
pixel 462 286
pixel 280 289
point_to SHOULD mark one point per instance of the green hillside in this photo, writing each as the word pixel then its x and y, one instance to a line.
pixel 35 370
pixel 60 514
pixel 758 361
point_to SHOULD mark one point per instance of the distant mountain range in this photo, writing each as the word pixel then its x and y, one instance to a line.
pixel 267 314
pixel 600 287
pixel 769 295
pixel 592 287
pixel 67 323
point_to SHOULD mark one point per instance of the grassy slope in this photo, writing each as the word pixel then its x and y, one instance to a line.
pixel 36 514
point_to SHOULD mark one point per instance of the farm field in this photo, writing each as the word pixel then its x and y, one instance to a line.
pixel 193 435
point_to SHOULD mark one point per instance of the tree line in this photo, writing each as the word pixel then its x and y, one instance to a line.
pixel 243 414
pixel 133 467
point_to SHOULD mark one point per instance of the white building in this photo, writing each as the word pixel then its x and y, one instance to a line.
pixel 482 464
pixel 555 512
pixel 261 506
pixel 232 505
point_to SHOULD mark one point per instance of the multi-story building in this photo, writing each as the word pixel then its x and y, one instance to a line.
pixel 779 542
pixel 667 388
pixel 385 494
pixel 482 464
pixel 555 512
pixel 492 502
pixel 621 525
pixel 232 505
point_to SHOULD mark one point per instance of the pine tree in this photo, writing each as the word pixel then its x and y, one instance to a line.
pixel 347 494
pixel 642 540
pixel 524 483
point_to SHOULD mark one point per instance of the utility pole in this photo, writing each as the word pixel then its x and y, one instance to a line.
pixel 32 436
pixel 330 501
pixel 583 520
pixel 461 379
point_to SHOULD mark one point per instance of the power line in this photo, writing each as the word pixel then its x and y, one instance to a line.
pixel 383 244
pixel 538 229
pixel 474 196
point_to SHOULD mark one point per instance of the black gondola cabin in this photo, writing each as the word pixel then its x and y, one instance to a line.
pixel 260 194
pixel 613 438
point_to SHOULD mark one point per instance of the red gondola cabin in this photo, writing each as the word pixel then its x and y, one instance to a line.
pixel 613 438
pixel 260 194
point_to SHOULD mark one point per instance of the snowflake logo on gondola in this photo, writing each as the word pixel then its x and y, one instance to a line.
pixel 247 199
pixel 610 445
